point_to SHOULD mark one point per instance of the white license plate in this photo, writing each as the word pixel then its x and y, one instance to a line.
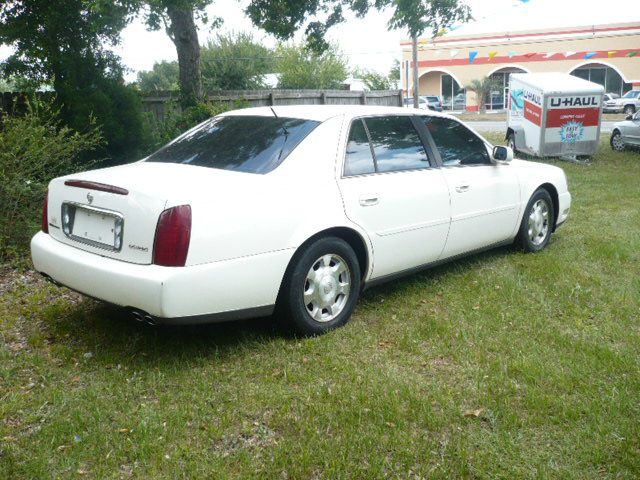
pixel 94 226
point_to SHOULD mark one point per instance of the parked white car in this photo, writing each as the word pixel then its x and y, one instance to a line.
pixel 293 209
pixel 627 133
pixel 629 103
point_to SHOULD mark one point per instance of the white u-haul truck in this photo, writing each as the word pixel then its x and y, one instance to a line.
pixel 554 115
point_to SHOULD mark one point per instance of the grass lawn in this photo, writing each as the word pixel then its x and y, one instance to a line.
pixel 500 365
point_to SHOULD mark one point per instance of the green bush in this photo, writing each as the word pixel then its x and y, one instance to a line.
pixel 34 148
pixel 117 110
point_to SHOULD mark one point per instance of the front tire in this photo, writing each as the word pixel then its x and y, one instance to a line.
pixel 617 143
pixel 537 222
pixel 321 287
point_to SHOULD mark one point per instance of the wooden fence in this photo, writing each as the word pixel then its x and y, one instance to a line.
pixel 161 103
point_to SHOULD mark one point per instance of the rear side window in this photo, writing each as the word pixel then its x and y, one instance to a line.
pixel 456 144
pixel 252 144
pixel 359 159
pixel 395 143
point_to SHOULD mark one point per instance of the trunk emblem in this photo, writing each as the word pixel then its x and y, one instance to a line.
pixel 89 198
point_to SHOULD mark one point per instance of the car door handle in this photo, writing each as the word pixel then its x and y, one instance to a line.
pixel 462 188
pixel 369 200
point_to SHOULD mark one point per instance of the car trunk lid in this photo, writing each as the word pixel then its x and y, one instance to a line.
pixel 114 212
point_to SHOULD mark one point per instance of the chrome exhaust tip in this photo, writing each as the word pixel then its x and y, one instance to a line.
pixel 149 320
pixel 137 316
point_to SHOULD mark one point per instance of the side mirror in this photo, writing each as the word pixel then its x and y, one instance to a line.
pixel 502 154
pixel 629 117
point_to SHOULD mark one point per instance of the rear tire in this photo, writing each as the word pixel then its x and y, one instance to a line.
pixel 537 222
pixel 321 287
pixel 629 109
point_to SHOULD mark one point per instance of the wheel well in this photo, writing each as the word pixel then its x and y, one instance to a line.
pixel 510 131
pixel 554 198
pixel 353 238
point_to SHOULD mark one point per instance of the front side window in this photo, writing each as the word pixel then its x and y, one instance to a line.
pixel 396 144
pixel 252 144
pixel 456 144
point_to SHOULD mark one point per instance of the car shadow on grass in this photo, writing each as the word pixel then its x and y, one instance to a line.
pixel 109 333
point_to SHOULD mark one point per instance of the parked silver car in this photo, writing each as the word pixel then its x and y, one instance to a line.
pixel 433 102
pixel 626 134
pixel 628 103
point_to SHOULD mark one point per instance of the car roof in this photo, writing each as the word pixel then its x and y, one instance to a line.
pixel 324 112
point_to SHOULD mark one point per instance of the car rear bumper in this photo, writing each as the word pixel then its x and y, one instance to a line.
pixel 189 294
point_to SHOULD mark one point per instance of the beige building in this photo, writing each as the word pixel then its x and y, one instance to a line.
pixel 605 54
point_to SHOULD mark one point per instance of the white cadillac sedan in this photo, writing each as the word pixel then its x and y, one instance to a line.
pixel 292 209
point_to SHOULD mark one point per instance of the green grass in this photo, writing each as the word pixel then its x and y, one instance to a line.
pixel 544 348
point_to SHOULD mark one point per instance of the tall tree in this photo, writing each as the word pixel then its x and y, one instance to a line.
pixel 235 61
pixel 372 79
pixel 163 76
pixel 301 67
pixel 394 74
pixel 284 17
pixel 178 17
pixel 66 43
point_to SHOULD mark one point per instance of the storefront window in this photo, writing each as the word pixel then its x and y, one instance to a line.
pixel 453 96
pixel 605 76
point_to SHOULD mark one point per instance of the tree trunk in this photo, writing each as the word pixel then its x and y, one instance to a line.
pixel 416 79
pixel 184 35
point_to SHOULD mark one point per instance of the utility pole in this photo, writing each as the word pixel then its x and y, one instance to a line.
pixel 414 48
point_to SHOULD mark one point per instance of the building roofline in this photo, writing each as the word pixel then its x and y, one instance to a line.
pixel 523 34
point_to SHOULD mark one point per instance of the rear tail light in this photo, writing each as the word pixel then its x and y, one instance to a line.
pixel 45 213
pixel 173 234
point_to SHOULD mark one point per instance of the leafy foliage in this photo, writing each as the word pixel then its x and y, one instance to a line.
pixel 178 19
pixel 394 73
pixel 283 18
pixel 482 88
pixel 163 76
pixel 66 43
pixel 373 80
pixel 178 121
pixel 301 67
pixel 235 62
pixel 34 148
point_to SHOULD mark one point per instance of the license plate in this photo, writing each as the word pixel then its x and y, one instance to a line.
pixel 95 227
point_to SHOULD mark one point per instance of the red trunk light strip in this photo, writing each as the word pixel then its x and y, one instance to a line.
pixel 100 187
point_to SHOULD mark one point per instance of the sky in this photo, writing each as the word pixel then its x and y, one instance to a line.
pixel 367 43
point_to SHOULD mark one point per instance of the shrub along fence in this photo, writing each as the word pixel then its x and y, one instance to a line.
pixel 161 103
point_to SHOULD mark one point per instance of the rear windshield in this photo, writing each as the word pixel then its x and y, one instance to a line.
pixel 251 144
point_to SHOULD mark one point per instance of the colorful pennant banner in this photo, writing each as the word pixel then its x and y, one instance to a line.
pixel 472 56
